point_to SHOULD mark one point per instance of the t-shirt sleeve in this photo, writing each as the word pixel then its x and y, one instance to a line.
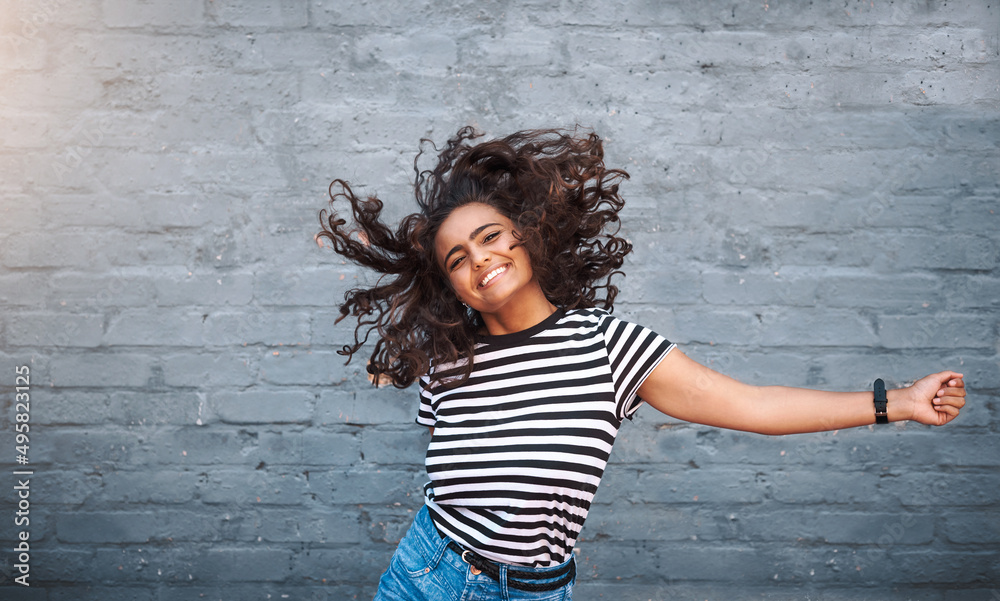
pixel 425 414
pixel 634 351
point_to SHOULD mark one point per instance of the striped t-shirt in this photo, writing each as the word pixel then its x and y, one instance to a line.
pixel 519 449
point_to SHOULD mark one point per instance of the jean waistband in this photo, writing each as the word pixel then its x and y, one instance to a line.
pixel 524 580
pixel 437 546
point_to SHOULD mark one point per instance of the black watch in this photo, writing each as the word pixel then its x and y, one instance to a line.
pixel 881 403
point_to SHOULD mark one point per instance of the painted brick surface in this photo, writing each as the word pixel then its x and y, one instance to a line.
pixel 814 201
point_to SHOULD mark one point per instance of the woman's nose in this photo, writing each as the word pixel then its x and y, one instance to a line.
pixel 480 258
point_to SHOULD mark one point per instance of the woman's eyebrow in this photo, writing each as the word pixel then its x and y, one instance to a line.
pixel 472 236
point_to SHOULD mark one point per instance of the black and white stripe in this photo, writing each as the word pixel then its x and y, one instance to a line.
pixel 519 449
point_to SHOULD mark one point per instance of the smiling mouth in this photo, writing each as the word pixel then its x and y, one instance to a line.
pixel 492 274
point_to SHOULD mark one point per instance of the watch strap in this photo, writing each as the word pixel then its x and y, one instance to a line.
pixel 881 403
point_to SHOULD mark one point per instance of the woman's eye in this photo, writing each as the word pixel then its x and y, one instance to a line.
pixel 455 263
pixel 491 236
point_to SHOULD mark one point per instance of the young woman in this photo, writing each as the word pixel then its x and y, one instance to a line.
pixel 496 297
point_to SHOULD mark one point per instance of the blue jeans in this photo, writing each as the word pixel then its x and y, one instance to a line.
pixel 424 568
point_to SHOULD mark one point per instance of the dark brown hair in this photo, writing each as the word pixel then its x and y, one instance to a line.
pixel 554 188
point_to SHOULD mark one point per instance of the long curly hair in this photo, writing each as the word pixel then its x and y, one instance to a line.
pixel 552 185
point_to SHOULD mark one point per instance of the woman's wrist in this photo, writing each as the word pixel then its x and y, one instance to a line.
pixel 899 405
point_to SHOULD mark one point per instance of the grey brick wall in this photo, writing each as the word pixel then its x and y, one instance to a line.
pixel 814 201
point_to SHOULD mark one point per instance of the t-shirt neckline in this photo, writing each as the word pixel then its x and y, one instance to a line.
pixel 515 337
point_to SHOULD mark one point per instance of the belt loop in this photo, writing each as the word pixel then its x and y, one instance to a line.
pixel 504 592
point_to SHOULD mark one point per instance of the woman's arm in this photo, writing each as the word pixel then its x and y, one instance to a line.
pixel 687 390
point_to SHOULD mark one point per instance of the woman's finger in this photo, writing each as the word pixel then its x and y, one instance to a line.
pixel 947 409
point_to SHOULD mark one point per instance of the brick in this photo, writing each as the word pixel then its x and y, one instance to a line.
pixel 324 448
pixel 222 88
pixel 31 251
pixel 750 288
pixel 730 327
pixel 161 173
pixel 152 487
pixel 18 289
pixel 55 92
pixel 300 367
pixel 320 287
pixel 382 487
pixel 59 330
pixel 320 86
pixel 229 367
pixel 951 252
pixel 279 13
pixel 133 52
pixel 387 525
pixel 210 564
pixel 63 488
pixel 71 445
pixel 378 406
pixel 100 369
pixel 302 126
pixel 386 447
pixel 118 13
pixel 113 251
pixel 76 408
pixel 330 13
pixel 974 528
pixel 148 408
pixel 204 289
pixel 416 52
pixel 921 567
pixel 133 527
pixel 319 565
pixel 263 406
pixel 322 48
pixel 86 293
pixel 935 489
pixel 138 327
pixel 259 486
pixel 23 53
pixel 168 129
pixel 88 210
pixel 34 19
pixel 62 565
pixel 936 331
pixel 647 523
pixel 161 211
pixel 652 285
pixel 917 442
pixel 793 326
pixel 837 527
pixel 204 446
pixel 866 290
pixel 312 526
pixel 254 325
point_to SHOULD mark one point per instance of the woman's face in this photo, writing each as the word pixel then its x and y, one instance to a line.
pixel 487 265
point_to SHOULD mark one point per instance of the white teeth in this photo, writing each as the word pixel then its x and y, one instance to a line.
pixel 492 274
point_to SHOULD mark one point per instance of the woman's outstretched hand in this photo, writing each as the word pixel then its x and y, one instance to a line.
pixel 937 398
